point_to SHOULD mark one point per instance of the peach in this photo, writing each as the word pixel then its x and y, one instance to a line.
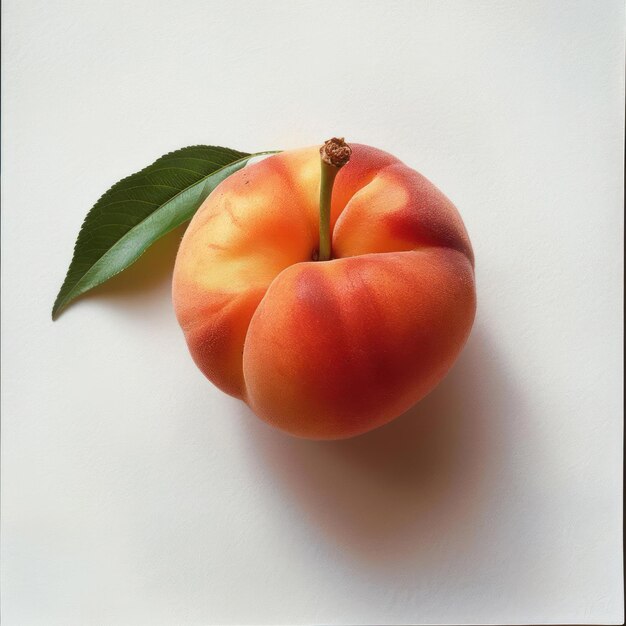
pixel 326 349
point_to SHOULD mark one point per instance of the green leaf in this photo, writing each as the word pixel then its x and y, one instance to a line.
pixel 142 208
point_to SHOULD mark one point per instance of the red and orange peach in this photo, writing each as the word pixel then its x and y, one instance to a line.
pixel 326 349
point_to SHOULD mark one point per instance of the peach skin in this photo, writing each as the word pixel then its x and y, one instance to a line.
pixel 330 303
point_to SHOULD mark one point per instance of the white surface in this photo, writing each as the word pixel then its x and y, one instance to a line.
pixel 133 492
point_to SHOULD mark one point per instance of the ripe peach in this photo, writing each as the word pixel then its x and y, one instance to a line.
pixel 326 349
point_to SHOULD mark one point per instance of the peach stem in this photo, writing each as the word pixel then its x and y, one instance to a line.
pixel 326 191
pixel 335 153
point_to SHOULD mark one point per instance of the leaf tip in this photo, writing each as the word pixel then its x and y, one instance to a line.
pixel 57 308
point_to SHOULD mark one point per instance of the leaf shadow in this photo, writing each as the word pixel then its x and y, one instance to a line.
pixel 146 279
pixel 404 489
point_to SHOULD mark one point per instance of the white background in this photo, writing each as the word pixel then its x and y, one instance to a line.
pixel 134 492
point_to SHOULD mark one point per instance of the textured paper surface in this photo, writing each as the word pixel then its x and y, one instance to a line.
pixel 133 492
